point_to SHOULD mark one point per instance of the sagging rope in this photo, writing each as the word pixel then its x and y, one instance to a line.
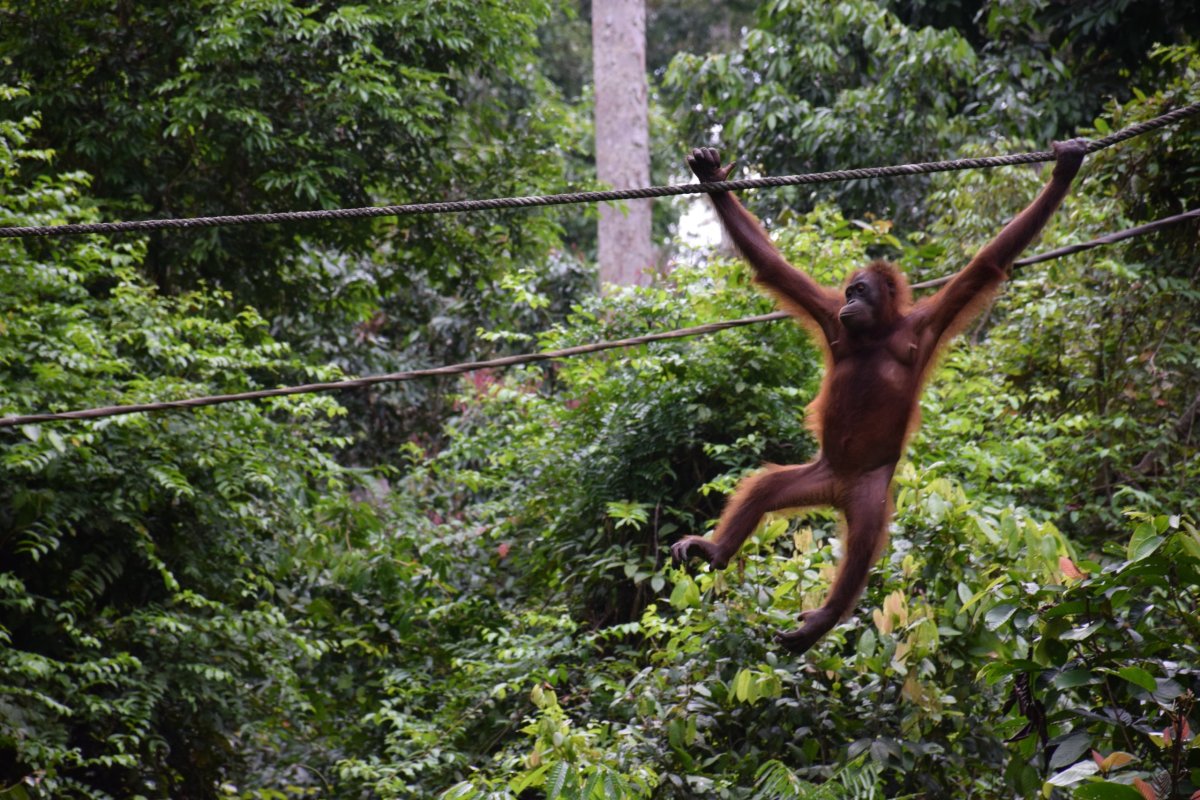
pixel 1071 249
pixel 593 197
pixel 551 355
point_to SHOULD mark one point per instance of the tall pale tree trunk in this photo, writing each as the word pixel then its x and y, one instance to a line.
pixel 622 137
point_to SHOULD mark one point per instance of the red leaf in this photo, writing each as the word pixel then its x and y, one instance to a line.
pixel 1069 569
pixel 1145 788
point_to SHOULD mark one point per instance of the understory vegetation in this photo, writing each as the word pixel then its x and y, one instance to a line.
pixel 462 589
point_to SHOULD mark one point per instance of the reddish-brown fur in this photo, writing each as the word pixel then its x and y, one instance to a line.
pixel 879 349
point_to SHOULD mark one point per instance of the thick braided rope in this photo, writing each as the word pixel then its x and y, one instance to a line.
pixel 550 355
pixel 594 197
pixel 395 377
pixel 1071 249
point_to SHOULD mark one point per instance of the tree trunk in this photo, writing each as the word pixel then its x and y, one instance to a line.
pixel 622 137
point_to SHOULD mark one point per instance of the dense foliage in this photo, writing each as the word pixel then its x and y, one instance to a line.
pixel 821 86
pixel 221 604
pixel 197 108
pixel 144 645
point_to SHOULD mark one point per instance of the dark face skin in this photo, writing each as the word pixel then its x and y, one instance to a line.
pixel 865 296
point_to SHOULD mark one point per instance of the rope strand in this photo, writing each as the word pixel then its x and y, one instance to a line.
pixel 395 377
pixel 455 207
pixel 551 355
pixel 1071 249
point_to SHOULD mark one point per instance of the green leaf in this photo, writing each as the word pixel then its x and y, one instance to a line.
pixel 1144 542
pixel 1166 691
pixel 1190 542
pixel 1082 632
pixel 556 781
pixel 1073 677
pixel 998 615
pixel 593 787
pixel 527 779
pixel 1070 749
pixel 1107 790
pixel 460 791
pixel 685 594
pixel 1140 677
pixel 994 671
pixel 742 685
pixel 1075 773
